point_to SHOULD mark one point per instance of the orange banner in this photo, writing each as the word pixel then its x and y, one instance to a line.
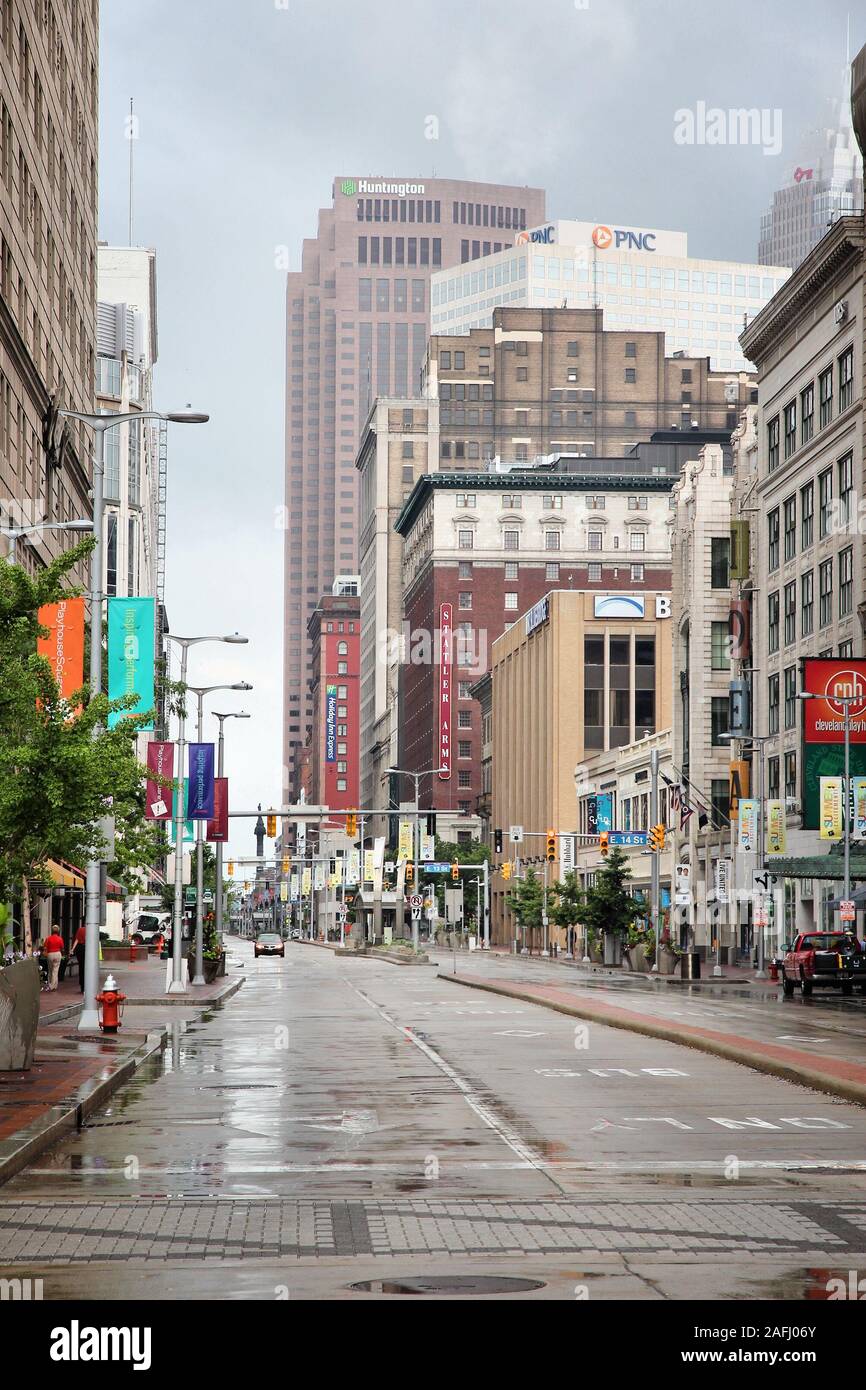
pixel 64 646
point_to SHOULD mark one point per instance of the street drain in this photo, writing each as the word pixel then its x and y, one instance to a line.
pixel 461 1284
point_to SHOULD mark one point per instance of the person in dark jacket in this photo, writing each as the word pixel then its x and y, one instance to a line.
pixel 79 951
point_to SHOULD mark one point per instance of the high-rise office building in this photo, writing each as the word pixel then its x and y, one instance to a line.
pixel 358 319
pixel 48 156
pixel 826 184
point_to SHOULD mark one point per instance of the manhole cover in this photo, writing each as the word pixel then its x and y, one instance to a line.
pixel 462 1284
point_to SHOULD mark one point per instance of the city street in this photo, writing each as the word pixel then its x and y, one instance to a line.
pixel 341 1121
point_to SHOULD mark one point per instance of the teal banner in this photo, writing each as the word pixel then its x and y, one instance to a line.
pixel 188 833
pixel 130 655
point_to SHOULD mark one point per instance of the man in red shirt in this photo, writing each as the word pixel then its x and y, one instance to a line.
pixel 54 954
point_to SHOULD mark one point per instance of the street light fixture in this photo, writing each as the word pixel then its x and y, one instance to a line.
pixel 177 985
pixel 16 533
pixel 200 691
pixel 89 1017
pixel 416 834
pixel 238 714
pixel 756 741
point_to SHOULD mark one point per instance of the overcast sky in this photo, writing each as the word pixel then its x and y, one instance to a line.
pixel 249 108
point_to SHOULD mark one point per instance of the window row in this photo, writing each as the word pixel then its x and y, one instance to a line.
pixel 796 424
pixel 835 512
pixel 782 606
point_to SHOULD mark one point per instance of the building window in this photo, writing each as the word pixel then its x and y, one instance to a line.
pixel 846 582
pixel 720 560
pixel 637 540
pixel 718 719
pixel 825 397
pixel 631 349
pixel 511 540
pixel 465 499
pixel 464 748
pixel 445 361
pixel 719 647
pixel 790 416
pixel 511 603
pixel 595 540
pixel 511 501
pixel 464 779
pixel 637 504
pixel 807 413
pixel 846 489
pixel 807 515
pixel 637 573
pixel 790 697
pixel 825 500
pixel 791 776
pixel 594 573
pixel 773 621
pixel 630 376
pixel 790 514
pixel 846 379
pixel 465 540
pixel 773 539
pixel 463 690
pixel 408 449
pixel 552 540
pixel 825 593
pixel 773 704
pixel 512 569
pixel 465 569
pixel 773 444
pixel 552 503
pixel 790 613
pixel 773 777
pixel 464 719
pixel 465 602
pixel 807 603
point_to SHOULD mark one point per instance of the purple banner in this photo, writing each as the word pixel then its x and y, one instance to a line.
pixel 200 786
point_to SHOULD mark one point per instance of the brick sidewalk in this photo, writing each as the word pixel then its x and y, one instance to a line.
pixel 833 1075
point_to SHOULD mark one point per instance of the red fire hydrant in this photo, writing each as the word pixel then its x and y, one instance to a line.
pixel 774 970
pixel 112 1001
pixel 132 950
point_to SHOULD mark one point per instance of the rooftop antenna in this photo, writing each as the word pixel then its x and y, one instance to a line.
pixel 132 138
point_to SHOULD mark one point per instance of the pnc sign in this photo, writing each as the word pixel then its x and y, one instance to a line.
pixel 622 238
pixel 546 236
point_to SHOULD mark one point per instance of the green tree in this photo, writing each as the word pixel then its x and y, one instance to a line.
pixel 608 905
pixel 568 900
pixel 56 773
pixel 526 901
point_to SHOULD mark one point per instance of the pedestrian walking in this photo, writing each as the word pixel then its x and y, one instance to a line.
pixel 54 954
pixel 78 949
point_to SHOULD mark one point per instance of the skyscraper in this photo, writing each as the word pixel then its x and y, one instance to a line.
pixel 825 185
pixel 357 323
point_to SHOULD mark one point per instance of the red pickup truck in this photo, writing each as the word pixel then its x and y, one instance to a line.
pixel 824 958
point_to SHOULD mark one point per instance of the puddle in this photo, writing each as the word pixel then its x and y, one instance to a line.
pixel 441 1285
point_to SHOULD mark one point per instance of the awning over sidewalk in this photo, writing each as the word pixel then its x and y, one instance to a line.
pixel 815 866
pixel 63 875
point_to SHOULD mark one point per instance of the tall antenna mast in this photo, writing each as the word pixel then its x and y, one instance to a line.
pixel 131 163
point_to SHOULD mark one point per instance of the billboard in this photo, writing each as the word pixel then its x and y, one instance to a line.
pixel 831 680
pixel 446 659
pixel 331 724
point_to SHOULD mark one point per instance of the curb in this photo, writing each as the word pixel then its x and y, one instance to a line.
pixel 63 1118
pixel 364 954
pixel 788 1068
pixel 188 1001
pixel 59 1014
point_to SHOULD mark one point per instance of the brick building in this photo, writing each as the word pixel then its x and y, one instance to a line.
pixel 545 381
pixel 331 763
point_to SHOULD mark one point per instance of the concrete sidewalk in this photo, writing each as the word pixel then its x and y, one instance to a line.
pixel 143 983
pixel 832 1075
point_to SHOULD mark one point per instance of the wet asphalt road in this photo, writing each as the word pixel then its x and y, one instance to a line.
pixel 346 1119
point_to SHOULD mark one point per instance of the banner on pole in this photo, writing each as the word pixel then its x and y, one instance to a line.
pixel 188 834
pixel 859 796
pixel 293 887
pixel 566 855
pixel 200 787
pixel 331 723
pixel 776 827
pixel 353 867
pixel 830 794
pixel 748 829
pixel 158 796
pixel 131 655
pixel 218 826
pixel 305 883
pixel 63 648
pixel 368 866
pixel 404 842
pixel 446 659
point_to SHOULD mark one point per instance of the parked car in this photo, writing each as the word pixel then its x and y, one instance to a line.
pixel 269 943
pixel 831 958
pixel 296 935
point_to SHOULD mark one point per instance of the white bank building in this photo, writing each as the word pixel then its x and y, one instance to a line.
pixel 642 278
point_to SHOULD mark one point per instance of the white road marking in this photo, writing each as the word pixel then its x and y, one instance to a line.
pixel 709 1165
pixel 517 1033
pixel 800 1038
pixel 505 1131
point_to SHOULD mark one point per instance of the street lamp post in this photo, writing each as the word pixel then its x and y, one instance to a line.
pixel 238 714
pixel 200 691
pixel 89 1017
pixel 16 533
pixel 177 985
pixel 416 835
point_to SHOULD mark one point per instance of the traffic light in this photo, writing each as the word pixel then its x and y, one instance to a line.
pixel 497 841
pixel 657 838
pixel 455 870
pixel 603 843
pixel 550 851
pixel 351 825
pixel 431 823
pixel 286 863
pixel 231 868
pixel 410 872
pixel 506 869
pixel 272 826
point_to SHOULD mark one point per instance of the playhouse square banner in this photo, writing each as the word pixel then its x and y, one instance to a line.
pixel 831 680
